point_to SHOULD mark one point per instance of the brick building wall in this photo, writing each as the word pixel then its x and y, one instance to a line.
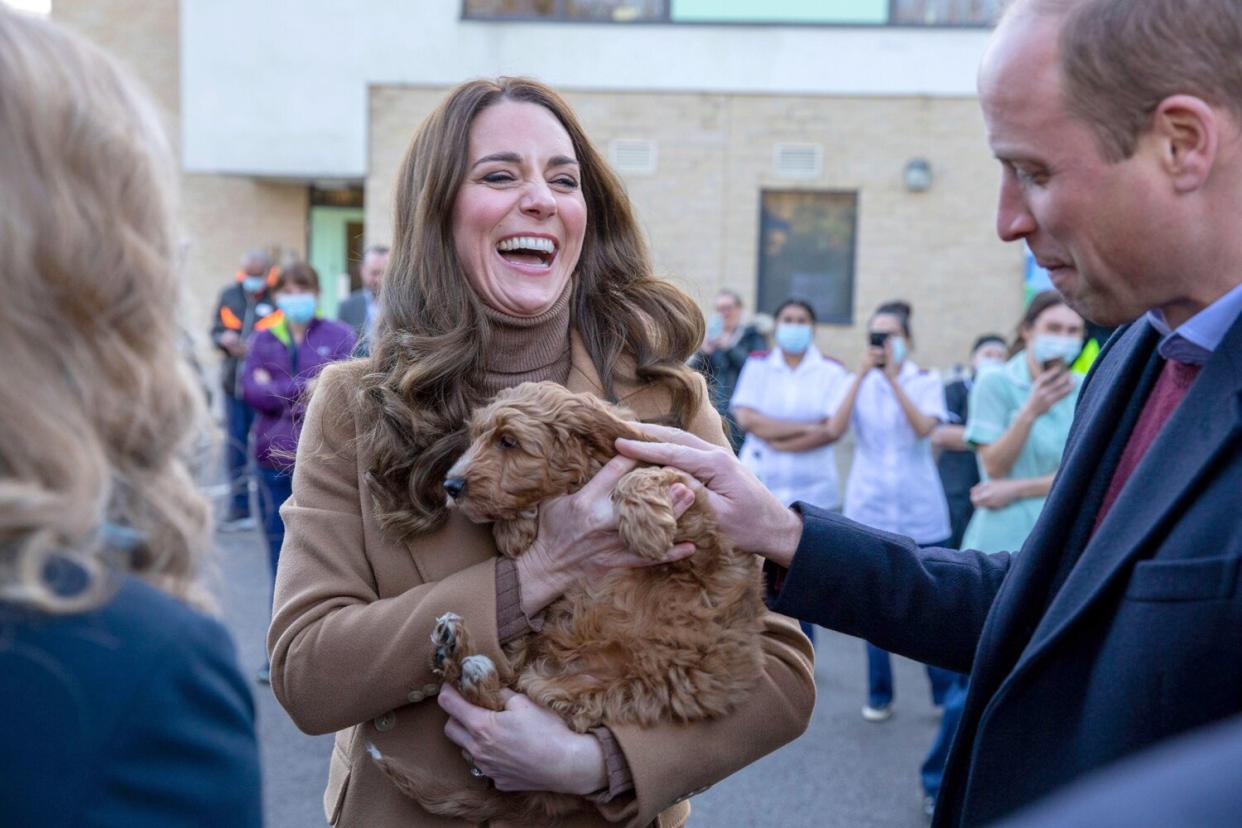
pixel 220 216
pixel 700 210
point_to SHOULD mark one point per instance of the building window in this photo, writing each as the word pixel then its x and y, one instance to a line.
pixel 806 251
pixel 945 12
pixel 781 12
pixel 617 11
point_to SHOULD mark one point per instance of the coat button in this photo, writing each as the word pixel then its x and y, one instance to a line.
pixel 386 722
pixel 430 689
pixel 415 696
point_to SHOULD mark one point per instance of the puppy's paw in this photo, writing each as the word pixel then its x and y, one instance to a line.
pixel 645 518
pixel 448 638
pixel 480 683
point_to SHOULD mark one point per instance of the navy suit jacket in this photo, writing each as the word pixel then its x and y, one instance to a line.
pixel 133 715
pixel 353 311
pixel 1082 648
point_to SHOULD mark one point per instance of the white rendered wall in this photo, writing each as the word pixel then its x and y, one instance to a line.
pixel 279 87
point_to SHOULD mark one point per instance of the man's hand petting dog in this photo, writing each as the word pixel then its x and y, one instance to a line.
pixel 746 511
pixel 524 747
pixel 578 539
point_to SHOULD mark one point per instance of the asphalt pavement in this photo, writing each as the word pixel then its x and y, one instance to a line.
pixel 842 773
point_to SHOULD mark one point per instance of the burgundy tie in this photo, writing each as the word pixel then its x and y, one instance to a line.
pixel 1174 381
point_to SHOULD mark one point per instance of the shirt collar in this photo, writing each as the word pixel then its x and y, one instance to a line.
pixel 811 357
pixel 1196 339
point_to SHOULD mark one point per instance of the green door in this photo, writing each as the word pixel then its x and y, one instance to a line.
pixel 335 251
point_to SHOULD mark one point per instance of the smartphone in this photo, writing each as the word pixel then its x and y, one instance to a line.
pixel 877 340
pixel 1050 364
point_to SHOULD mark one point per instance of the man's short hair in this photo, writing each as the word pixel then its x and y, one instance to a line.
pixel 1121 58
pixel 732 294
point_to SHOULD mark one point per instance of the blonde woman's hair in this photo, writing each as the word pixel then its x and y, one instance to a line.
pixel 96 407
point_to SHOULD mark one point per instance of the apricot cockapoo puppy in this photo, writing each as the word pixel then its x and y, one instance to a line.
pixel 669 643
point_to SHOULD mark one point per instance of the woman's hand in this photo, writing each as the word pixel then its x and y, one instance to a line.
pixel 995 494
pixel 261 376
pixel 577 539
pixel 1047 390
pixel 874 357
pixel 745 510
pixel 524 747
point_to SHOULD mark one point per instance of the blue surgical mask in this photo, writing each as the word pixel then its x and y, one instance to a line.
pixel 715 325
pixel 299 308
pixel 1047 347
pixel 900 349
pixel 988 364
pixel 793 339
pixel 254 284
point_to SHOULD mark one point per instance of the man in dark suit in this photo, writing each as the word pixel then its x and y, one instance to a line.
pixel 360 309
pixel 1118 125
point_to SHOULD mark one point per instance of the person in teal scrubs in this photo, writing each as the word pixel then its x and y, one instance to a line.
pixel 1019 419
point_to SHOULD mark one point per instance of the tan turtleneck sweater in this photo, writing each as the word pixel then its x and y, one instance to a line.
pixel 528 349
pixel 532 349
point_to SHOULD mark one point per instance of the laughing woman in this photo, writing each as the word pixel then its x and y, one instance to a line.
pixel 516 258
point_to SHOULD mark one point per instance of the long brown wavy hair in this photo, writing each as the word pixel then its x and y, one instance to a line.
pixel 433 338
pixel 96 406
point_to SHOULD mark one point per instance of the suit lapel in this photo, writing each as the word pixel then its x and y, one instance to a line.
pixel 1105 406
pixel 1208 420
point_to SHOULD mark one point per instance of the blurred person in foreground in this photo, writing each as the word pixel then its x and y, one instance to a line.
pixel 122 704
pixel 516 258
pixel 785 401
pixel 281 363
pixel 243 308
pixel 957 464
pixel 1118 127
pixel 727 345
pixel 361 309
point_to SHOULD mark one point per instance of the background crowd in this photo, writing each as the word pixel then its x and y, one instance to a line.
pixel 517 257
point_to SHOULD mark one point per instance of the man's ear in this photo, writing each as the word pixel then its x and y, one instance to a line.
pixel 1188 134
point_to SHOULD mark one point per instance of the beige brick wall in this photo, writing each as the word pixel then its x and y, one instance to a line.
pixel 700 210
pixel 221 216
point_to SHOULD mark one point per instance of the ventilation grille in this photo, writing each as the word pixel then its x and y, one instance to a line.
pixel 633 157
pixel 798 160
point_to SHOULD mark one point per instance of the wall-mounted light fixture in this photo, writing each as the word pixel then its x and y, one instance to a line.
pixel 918 175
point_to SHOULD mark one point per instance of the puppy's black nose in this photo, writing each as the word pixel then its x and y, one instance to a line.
pixel 455 486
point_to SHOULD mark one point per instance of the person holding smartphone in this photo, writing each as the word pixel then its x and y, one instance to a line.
pixel 1019 421
pixel 893 406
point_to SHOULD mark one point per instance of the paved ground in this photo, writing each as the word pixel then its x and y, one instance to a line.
pixel 843 773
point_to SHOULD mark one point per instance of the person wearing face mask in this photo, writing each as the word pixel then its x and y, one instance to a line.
pixel 281 362
pixel 1019 421
pixel 959 473
pixel 957 464
pixel 894 406
pixel 786 401
pixel 243 308
pixel 727 345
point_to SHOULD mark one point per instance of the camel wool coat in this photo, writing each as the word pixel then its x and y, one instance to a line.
pixel 354 609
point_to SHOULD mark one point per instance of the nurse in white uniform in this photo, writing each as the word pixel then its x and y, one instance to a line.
pixel 893 406
pixel 786 400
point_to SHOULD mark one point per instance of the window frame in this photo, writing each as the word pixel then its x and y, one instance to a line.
pixel 561 18
pixel 846 320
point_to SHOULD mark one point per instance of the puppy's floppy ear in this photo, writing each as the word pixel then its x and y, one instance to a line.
pixel 595 424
